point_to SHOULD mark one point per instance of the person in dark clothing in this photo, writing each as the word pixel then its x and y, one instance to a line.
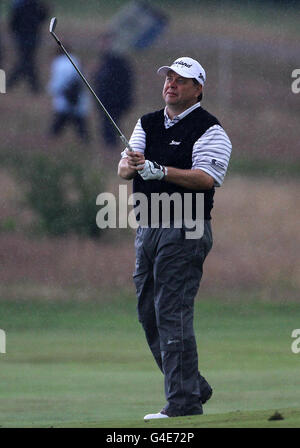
pixel 114 85
pixel 25 23
pixel 180 153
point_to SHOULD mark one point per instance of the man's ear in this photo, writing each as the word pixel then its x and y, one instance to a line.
pixel 199 89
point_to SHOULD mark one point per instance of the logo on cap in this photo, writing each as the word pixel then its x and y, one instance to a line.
pixel 182 63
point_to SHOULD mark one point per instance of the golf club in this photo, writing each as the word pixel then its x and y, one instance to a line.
pixel 52 27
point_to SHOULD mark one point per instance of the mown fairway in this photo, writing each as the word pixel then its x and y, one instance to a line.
pixel 87 365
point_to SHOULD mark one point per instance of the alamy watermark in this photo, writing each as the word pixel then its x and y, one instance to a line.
pixel 295 347
pixel 2 341
pixel 166 211
pixel 296 83
pixel 2 81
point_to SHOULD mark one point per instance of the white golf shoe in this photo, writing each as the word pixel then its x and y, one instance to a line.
pixel 153 416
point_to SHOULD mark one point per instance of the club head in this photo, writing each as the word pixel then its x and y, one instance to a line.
pixel 53 24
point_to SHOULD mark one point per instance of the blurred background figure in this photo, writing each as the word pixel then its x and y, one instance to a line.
pixel 1 51
pixel 135 27
pixel 114 84
pixel 69 98
pixel 1 41
pixel 26 18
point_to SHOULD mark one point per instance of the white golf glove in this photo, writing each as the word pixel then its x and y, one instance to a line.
pixel 153 171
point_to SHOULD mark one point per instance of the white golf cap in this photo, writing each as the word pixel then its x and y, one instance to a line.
pixel 186 67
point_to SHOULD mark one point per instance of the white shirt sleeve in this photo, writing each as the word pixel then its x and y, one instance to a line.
pixel 211 153
pixel 137 140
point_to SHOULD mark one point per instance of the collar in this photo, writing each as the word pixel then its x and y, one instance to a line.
pixel 180 116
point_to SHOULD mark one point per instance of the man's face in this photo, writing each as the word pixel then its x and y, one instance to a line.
pixel 179 91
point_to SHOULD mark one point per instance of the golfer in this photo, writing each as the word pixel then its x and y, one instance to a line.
pixel 180 149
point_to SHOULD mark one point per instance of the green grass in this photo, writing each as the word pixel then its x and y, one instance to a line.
pixel 87 365
pixel 238 419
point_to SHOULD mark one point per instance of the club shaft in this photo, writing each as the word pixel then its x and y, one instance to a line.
pixel 121 135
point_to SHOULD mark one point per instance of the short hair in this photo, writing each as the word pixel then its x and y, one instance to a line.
pixel 196 84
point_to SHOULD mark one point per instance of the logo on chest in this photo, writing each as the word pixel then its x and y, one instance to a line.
pixel 173 143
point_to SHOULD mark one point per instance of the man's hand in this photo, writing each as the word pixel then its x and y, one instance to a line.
pixel 152 171
pixel 135 159
pixel 128 166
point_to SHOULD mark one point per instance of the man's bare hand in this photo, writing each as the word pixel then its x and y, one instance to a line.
pixel 136 160
pixel 131 164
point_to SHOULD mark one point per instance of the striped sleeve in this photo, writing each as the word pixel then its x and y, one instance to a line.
pixel 137 140
pixel 211 153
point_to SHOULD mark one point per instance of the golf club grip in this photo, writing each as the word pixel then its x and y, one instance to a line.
pixel 126 142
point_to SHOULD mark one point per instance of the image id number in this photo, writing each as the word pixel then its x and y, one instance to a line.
pixel 172 437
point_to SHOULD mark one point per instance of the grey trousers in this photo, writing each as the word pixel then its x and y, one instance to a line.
pixel 167 277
